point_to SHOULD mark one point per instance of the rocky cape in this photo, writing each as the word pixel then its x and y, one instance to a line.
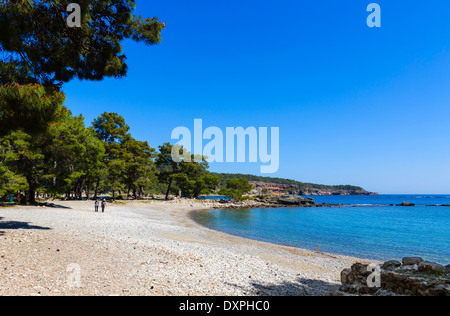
pixel 271 202
pixel 281 189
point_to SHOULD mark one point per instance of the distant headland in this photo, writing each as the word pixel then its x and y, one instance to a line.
pixel 280 186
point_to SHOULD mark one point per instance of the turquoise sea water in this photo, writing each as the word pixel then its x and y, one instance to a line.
pixel 373 231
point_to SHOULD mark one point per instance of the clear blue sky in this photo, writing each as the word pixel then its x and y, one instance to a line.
pixel 355 105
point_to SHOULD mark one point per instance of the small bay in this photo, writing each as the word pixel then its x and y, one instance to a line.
pixel 367 227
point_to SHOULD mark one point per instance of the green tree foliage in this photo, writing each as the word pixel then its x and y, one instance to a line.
pixel 191 177
pixel 112 131
pixel 75 156
pixel 129 163
pixel 62 160
pixel 302 186
pixel 195 180
pixel 39 52
pixel 43 147
pixel 236 188
pixel 31 107
pixel 11 183
pixel 24 156
pixel 39 47
pixel 140 167
pixel 239 184
pixel 168 168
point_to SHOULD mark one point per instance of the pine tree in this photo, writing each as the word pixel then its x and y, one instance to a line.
pixel 39 52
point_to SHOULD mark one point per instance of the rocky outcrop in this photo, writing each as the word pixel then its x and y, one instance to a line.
pixel 411 261
pixel 411 277
pixel 406 204
pixel 334 192
pixel 286 200
pixel 269 202
pixel 281 189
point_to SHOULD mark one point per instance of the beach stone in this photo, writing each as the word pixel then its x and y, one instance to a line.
pixel 438 290
pixel 409 261
pixel 409 268
pixel 391 265
pixel 344 276
pixel 366 290
pixel 293 200
pixel 399 280
pixel 360 269
pixel 406 204
pixel 447 269
pixel 426 266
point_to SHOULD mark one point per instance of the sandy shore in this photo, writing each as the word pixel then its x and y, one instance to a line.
pixel 148 248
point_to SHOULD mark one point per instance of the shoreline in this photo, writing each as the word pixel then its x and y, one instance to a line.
pixel 247 239
pixel 150 249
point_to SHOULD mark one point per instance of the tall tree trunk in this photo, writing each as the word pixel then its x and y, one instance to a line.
pixel 97 185
pixel 81 189
pixel 31 195
pixel 88 188
pixel 168 189
pixel 55 165
pixel 135 192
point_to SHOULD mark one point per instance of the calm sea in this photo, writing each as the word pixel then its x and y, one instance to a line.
pixel 373 230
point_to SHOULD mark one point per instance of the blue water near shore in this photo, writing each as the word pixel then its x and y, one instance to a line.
pixel 373 230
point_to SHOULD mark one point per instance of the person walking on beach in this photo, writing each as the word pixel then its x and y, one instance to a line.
pixel 97 204
pixel 103 206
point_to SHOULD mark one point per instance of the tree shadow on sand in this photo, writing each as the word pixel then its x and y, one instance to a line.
pixel 52 205
pixel 12 225
pixel 49 205
pixel 5 205
pixel 299 287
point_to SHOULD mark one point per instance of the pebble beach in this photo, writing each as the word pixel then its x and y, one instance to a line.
pixel 150 248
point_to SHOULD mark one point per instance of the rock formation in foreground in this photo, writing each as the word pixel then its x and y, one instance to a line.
pixel 269 202
pixel 411 277
pixel 304 189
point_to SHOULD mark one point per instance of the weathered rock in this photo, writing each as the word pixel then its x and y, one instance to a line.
pixel 438 290
pixel 344 276
pixel 410 268
pixel 391 265
pixel 357 274
pixel 406 204
pixel 287 200
pixel 360 269
pixel 366 290
pixel 447 269
pixel 293 200
pixel 399 280
pixel 431 267
pixel 410 261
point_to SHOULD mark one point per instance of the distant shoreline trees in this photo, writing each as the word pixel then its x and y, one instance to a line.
pixel 78 162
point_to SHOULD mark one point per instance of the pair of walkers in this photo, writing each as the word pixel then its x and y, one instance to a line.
pixel 97 204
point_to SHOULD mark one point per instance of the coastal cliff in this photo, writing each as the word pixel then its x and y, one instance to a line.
pixel 280 186
pixel 280 189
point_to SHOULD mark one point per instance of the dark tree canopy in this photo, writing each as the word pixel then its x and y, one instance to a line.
pixel 39 52
pixel 30 108
pixel 37 46
pixel 111 128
